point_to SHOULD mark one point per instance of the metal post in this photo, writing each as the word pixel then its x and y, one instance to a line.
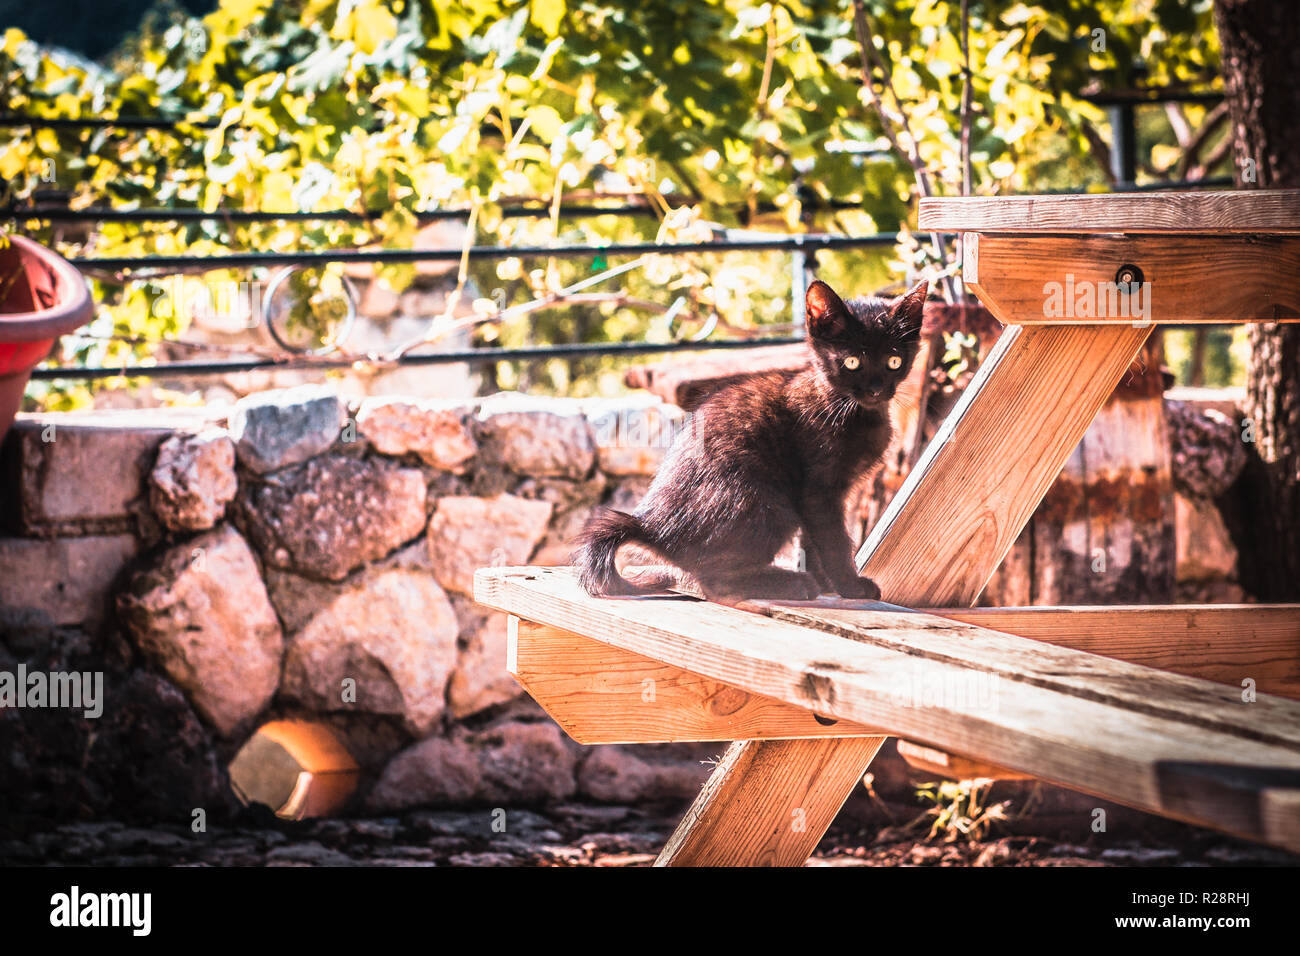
pixel 1123 144
pixel 799 285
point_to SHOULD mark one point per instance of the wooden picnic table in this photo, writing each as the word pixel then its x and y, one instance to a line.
pixel 1188 711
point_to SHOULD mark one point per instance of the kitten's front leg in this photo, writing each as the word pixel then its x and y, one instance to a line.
pixel 813 565
pixel 825 528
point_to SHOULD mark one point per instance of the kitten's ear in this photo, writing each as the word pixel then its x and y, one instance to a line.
pixel 909 310
pixel 825 313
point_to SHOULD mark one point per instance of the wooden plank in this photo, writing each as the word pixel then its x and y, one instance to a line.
pixel 601 694
pixel 1227 643
pixel 1263 211
pixel 993 459
pixel 757 778
pixel 1186 279
pixel 1073 673
pixel 951 766
pixel 1098 725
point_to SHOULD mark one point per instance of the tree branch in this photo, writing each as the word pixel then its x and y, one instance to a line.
pixel 870 59
pixel 1213 120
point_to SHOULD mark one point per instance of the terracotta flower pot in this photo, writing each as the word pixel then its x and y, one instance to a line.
pixel 42 296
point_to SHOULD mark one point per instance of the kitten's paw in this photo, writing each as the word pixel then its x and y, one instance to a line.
pixel 813 590
pixel 800 587
pixel 859 589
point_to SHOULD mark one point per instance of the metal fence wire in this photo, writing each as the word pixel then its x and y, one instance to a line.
pixel 804 247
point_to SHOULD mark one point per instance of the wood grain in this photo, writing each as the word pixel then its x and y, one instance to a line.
pixel 1263 211
pixel 1105 680
pixel 1193 279
pixel 601 694
pixel 950 766
pixel 1121 731
pixel 758 779
pixel 1226 643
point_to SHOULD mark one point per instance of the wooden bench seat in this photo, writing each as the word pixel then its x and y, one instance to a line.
pixel 1182 746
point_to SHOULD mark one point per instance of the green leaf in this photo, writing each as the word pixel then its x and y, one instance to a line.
pixel 547 14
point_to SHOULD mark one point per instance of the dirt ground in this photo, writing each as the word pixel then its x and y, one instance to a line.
pixel 575 835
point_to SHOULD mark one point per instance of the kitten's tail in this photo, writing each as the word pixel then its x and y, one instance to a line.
pixel 605 533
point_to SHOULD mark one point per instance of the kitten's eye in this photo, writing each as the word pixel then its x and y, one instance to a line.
pixel 852 362
pixel 895 362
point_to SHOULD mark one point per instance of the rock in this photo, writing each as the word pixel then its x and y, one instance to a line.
pixel 536 437
pixel 60 581
pixel 627 494
pixel 1206 448
pixel 481 679
pixel 1245 854
pixel 378 301
pixel 564 493
pixel 393 635
pixel 467 533
pixel 586 816
pixel 193 480
pixel 308 854
pixel 1204 548
pixel 297 599
pixel 921 855
pixel 42 756
pixel 276 429
pixel 150 757
pixel 331 515
pixel 397 862
pixel 82 475
pixel 372 739
pixel 202 614
pixel 522 763
pixel 1140 856
pixel 134 839
pixel 381 831
pixel 996 854
pixel 632 437
pixel 615 774
pixel 438 432
pixel 561 538
pixel 490 858
pixel 437 772
pixel 434 825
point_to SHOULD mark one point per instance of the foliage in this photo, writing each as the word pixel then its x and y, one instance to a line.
pixel 960 809
pixel 752 114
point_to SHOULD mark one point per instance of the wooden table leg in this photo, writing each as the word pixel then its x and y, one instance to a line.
pixel 782 823
pixel 937 544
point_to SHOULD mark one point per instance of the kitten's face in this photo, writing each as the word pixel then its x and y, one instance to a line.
pixel 865 347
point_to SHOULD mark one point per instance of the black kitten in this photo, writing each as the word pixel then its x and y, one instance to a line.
pixel 768 456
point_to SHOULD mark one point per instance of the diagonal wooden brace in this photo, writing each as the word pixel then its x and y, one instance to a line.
pixel 937 544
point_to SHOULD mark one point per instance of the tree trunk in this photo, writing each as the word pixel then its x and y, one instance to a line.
pixel 1261 70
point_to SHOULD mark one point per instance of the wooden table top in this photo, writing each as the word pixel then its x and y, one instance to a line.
pixel 1259 211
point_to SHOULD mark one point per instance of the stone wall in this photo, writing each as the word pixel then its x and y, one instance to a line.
pixel 300 555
